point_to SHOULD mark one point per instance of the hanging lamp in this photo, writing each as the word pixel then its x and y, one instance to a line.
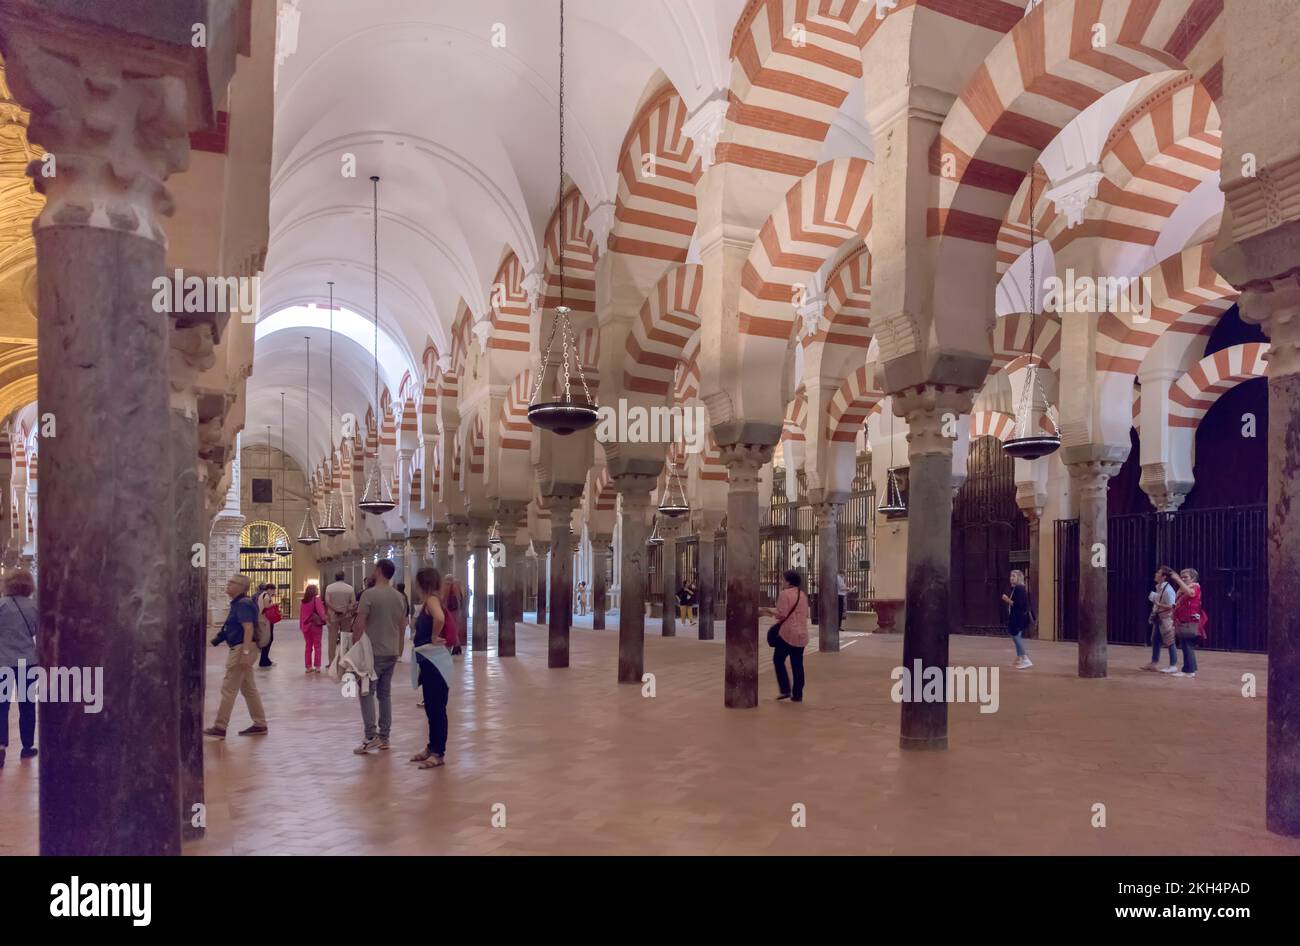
pixel 377 498
pixel 308 534
pixel 1028 440
pixel 268 556
pixel 557 410
pixel 673 503
pixel 282 547
pixel 655 539
pixel 893 504
pixel 333 524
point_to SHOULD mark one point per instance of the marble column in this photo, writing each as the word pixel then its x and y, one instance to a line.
pixel 599 566
pixel 458 553
pixel 543 549
pixel 109 781
pixel 669 531
pixel 1089 479
pixel 828 569
pixel 1032 505
pixel 634 502
pixel 478 543
pixel 510 580
pixel 557 654
pixel 743 462
pixel 931 413
pixel 708 580
pixel 439 538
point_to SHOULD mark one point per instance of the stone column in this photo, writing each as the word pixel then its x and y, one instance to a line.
pixel 931 413
pixel 669 530
pixel 478 543
pixel 599 566
pixel 828 569
pixel 634 501
pixel 458 555
pixel 561 507
pixel 439 538
pixel 510 580
pixel 743 462
pixel 1089 479
pixel 1032 506
pixel 710 521
pixel 109 781
pixel 543 549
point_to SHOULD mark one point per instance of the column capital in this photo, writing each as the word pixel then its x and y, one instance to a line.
pixel 1091 476
pixel 931 412
pixel 826 514
pixel 635 488
pixel 1275 304
pixel 744 462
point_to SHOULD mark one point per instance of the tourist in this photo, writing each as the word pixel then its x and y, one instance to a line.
pixel 453 603
pixel 841 595
pixel 581 598
pixel 433 663
pixel 239 634
pixel 1019 620
pixel 1189 617
pixel 406 626
pixel 341 606
pixel 311 621
pixel 694 589
pixel 791 636
pixel 18 647
pixel 270 610
pixel 683 602
pixel 381 616
pixel 1162 621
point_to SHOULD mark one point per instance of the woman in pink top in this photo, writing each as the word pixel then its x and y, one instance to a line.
pixel 792 612
pixel 311 621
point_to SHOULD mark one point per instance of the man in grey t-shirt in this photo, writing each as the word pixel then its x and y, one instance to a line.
pixel 381 616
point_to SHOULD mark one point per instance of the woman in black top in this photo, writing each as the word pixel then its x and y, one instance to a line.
pixel 1018 619
pixel 428 630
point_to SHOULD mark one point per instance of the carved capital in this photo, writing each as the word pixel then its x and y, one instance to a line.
pixel 1165 493
pixel 634 488
pixel 744 461
pixel 1275 304
pixel 826 515
pixel 705 127
pixel 932 412
pixel 1090 478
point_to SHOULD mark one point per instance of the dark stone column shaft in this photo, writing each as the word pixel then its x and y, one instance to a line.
pixel 190 618
pixel 561 617
pixel 740 689
pixel 632 587
pixel 707 584
pixel 543 549
pixel 828 570
pixel 599 566
pixel 1089 480
pixel 669 558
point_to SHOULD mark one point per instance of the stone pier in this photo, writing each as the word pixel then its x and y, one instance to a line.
pixel 600 566
pixel 543 549
pixel 828 569
pixel 561 616
pixel 743 462
pixel 1089 478
pixel 478 543
pixel 634 503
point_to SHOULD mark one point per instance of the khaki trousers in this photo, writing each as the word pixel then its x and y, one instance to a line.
pixel 239 679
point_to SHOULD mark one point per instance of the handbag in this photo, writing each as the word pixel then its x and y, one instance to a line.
pixel 1188 630
pixel 774 632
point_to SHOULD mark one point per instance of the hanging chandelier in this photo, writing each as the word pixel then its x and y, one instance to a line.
pixel 333 524
pixel 308 534
pixel 558 410
pixel 268 556
pixel 1029 439
pixel 893 504
pixel 377 498
pixel 673 503
pixel 282 547
pixel 655 539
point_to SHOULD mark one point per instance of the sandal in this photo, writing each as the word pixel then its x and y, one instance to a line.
pixel 421 756
pixel 432 762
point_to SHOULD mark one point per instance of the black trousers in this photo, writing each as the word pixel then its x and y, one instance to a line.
pixel 266 651
pixel 435 691
pixel 780 652
pixel 26 717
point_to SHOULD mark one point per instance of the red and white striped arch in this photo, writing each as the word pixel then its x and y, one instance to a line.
pixel 1042 74
pixel 712 469
pixel 1014 333
pixel 991 424
pixel 654 212
pixel 848 303
pixel 796 416
pixel 460 337
pixel 516 432
pixel 828 206
pixel 686 377
pixel 667 322
pixel 510 310
pixel 1186 295
pixel 567 236
pixel 603 491
pixel 851 404
pixel 1192 395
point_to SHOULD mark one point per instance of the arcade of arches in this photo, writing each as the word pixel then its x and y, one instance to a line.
pixel 858 240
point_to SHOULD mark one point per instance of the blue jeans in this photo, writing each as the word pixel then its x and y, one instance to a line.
pixel 1019 641
pixel 382 690
pixel 1155 648
pixel 1189 655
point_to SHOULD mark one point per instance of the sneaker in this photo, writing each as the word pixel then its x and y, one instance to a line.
pixel 30 752
pixel 796 699
pixel 371 743
pixel 383 743
pixel 421 755
pixel 215 731
pixel 432 762
pixel 1168 670
pixel 1024 663
pixel 1151 666
pixel 783 696
pixel 1181 674
pixel 420 704
pixel 254 730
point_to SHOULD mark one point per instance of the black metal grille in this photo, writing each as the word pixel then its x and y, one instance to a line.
pixel 988 531
pixel 1226 545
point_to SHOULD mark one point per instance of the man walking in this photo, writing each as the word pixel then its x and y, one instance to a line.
pixel 239 633
pixel 381 615
pixel 340 608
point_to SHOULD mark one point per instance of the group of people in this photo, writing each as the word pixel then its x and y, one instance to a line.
pixel 367 637
pixel 1177 619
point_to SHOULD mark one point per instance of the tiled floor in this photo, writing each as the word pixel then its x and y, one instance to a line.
pixel 583 765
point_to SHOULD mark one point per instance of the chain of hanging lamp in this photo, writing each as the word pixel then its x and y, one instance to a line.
pixel 377 498
pixel 282 547
pixel 268 557
pixel 562 415
pixel 308 534
pixel 674 503
pixel 333 524
pixel 893 504
pixel 1027 441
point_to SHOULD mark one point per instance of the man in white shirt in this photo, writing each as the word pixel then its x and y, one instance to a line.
pixel 842 592
pixel 340 608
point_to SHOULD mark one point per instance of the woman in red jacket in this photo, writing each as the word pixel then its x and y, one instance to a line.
pixel 311 621
pixel 1189 618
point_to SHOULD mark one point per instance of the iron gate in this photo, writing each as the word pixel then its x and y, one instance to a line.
pixel 1227 546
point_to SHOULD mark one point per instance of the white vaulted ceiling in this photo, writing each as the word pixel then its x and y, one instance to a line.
pixel 464 135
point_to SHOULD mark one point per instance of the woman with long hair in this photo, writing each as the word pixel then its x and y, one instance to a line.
pixel 433 666
pixel 1018 618
pixel 311 621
